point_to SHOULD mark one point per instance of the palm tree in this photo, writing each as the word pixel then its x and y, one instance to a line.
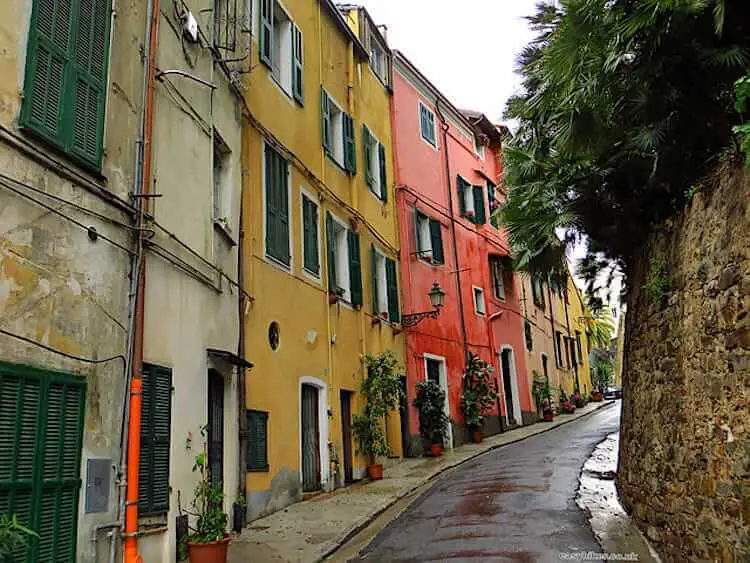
pixel 599 326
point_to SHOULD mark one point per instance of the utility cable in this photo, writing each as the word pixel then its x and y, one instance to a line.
pixel 60 352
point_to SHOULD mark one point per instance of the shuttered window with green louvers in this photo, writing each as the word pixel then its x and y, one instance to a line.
pixel 436 238
pixel 394 313
pixel 310 236
pixel 41 425
pixel 66 73
pixel 298 76
pixel 265 40
pixel 156 415
pixel 480 217
pixel 277 206
pixel 257 441
pixel 355 268
pixel 350 148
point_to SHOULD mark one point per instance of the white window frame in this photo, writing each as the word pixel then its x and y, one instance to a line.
pixel 373 163
pixel 221 185
pixel 316 201
pixel 341 252
pixel 337 130
pixel 478 147
pixel 480 305
pixel 424 237
pixel 444 386
pixel 270 259
pixel 496 268
pixel 382 283
pixel 282 49
pixel 377 53
pixel 420 105
pixel 468 195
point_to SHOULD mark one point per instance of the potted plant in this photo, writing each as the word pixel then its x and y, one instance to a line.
pixel 565 405
pixel 542 396
pixel 433 422
pixel 547 413
pixel 208 540
pixel 578 400
pixel 479 395
pixel 382 392
pixel 13 537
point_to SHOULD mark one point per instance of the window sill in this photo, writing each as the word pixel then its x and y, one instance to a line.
pixel 225 232
pixel 377 196
pixel 264 469
pixel 338 164
pixel 276 262
pixel 431 262
pixel 433 145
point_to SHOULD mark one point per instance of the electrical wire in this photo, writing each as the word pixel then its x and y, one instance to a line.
pixel 60 352
pixel 86 228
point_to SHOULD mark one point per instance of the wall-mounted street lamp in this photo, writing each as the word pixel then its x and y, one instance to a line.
pixel 437 300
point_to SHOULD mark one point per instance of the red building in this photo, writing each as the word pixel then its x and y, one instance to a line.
pixel 448 169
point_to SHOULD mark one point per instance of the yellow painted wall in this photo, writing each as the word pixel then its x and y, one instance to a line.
pixel 318 340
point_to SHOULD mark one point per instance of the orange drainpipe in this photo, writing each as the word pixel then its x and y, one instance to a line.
pixel 130 545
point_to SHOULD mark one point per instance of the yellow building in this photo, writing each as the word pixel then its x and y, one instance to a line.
pixel 320 243
pixel 557 344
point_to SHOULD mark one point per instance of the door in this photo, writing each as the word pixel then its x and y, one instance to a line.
pixel 310 439
pixel 215 428
pixel 505 363
pixel 346 432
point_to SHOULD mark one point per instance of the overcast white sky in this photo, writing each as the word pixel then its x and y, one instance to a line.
pixel 466 48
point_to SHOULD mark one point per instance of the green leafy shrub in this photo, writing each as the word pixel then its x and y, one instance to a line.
pixel 208 500
pixel 479 391
pixel 14 537
pixel 433 422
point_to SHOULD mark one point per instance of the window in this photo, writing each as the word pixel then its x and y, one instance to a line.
pixel 277 206
pixel 480 217
pixel 537 293
pixel 156 416
pixel 465 198
pixel 429 238
pixel 479 306
pixel 528 334
pixel 225 24
pixel 257 441
pixel 498 277
pixel 427 124
pixel 338 134
pixel 281 48
pixel 221 180
pixel 310 239
pixel 384 286
pixel 478 147
pixel 378 61
pixel 558 349
pixel 344 262
pixel 572 353
pixel 493 203
pixel 41 431
pixel 579 346
pixel 66 73
pixel 375 164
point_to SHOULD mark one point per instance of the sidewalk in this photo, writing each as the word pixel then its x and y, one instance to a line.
pixel 309 531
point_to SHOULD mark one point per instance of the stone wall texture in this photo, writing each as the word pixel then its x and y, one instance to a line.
pixel 685 450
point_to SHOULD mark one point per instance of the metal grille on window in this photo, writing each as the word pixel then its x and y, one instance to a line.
pixel 225 24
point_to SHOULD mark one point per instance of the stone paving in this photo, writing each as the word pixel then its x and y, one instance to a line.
pixel 309 531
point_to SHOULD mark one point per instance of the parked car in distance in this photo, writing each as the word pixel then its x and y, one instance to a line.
pixel 613 392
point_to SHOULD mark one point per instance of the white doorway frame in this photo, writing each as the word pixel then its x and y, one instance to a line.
pixel 322 427
pixel 513 382
pixel 444 387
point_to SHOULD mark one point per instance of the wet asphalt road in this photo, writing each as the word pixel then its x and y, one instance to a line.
pixel 514 504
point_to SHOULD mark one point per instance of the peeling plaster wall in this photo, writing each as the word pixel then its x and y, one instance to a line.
pixel 685 451
pixel 57 286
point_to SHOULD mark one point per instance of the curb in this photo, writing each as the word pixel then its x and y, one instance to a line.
pixel 366 522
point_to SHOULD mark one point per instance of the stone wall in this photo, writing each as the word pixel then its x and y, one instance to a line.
pixel 685 450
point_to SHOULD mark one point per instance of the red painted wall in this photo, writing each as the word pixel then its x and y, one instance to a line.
pixel 424 183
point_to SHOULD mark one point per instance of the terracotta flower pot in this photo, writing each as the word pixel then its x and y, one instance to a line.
pixel 436 450
pixel 476 436
pixel 213 552
pixel 597 396
pixel 375 472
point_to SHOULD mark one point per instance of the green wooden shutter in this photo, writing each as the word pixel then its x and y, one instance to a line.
pixel 418 217
pixel 66 71
pixel 283 209
pixel 310 234
pixel 266 32
pixel 41 433
pixel 331 246
pixel 480 217
pixel 374 280
pixel 297 65
pixel 325 122
pixel 528 335
pixel 277 206
pixel 383 173
pixel 156 414
pixel 460 184
pixel 436 237
pixel 350 150
pixel 394 313
pixel 355 268
pixel 367 145
pixel 257 443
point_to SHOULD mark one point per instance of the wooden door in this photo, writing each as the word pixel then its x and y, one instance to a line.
pixel 505 361
pixel 346 432
pixel 310 439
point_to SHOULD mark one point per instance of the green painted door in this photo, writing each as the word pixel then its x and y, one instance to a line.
pixel 41 424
